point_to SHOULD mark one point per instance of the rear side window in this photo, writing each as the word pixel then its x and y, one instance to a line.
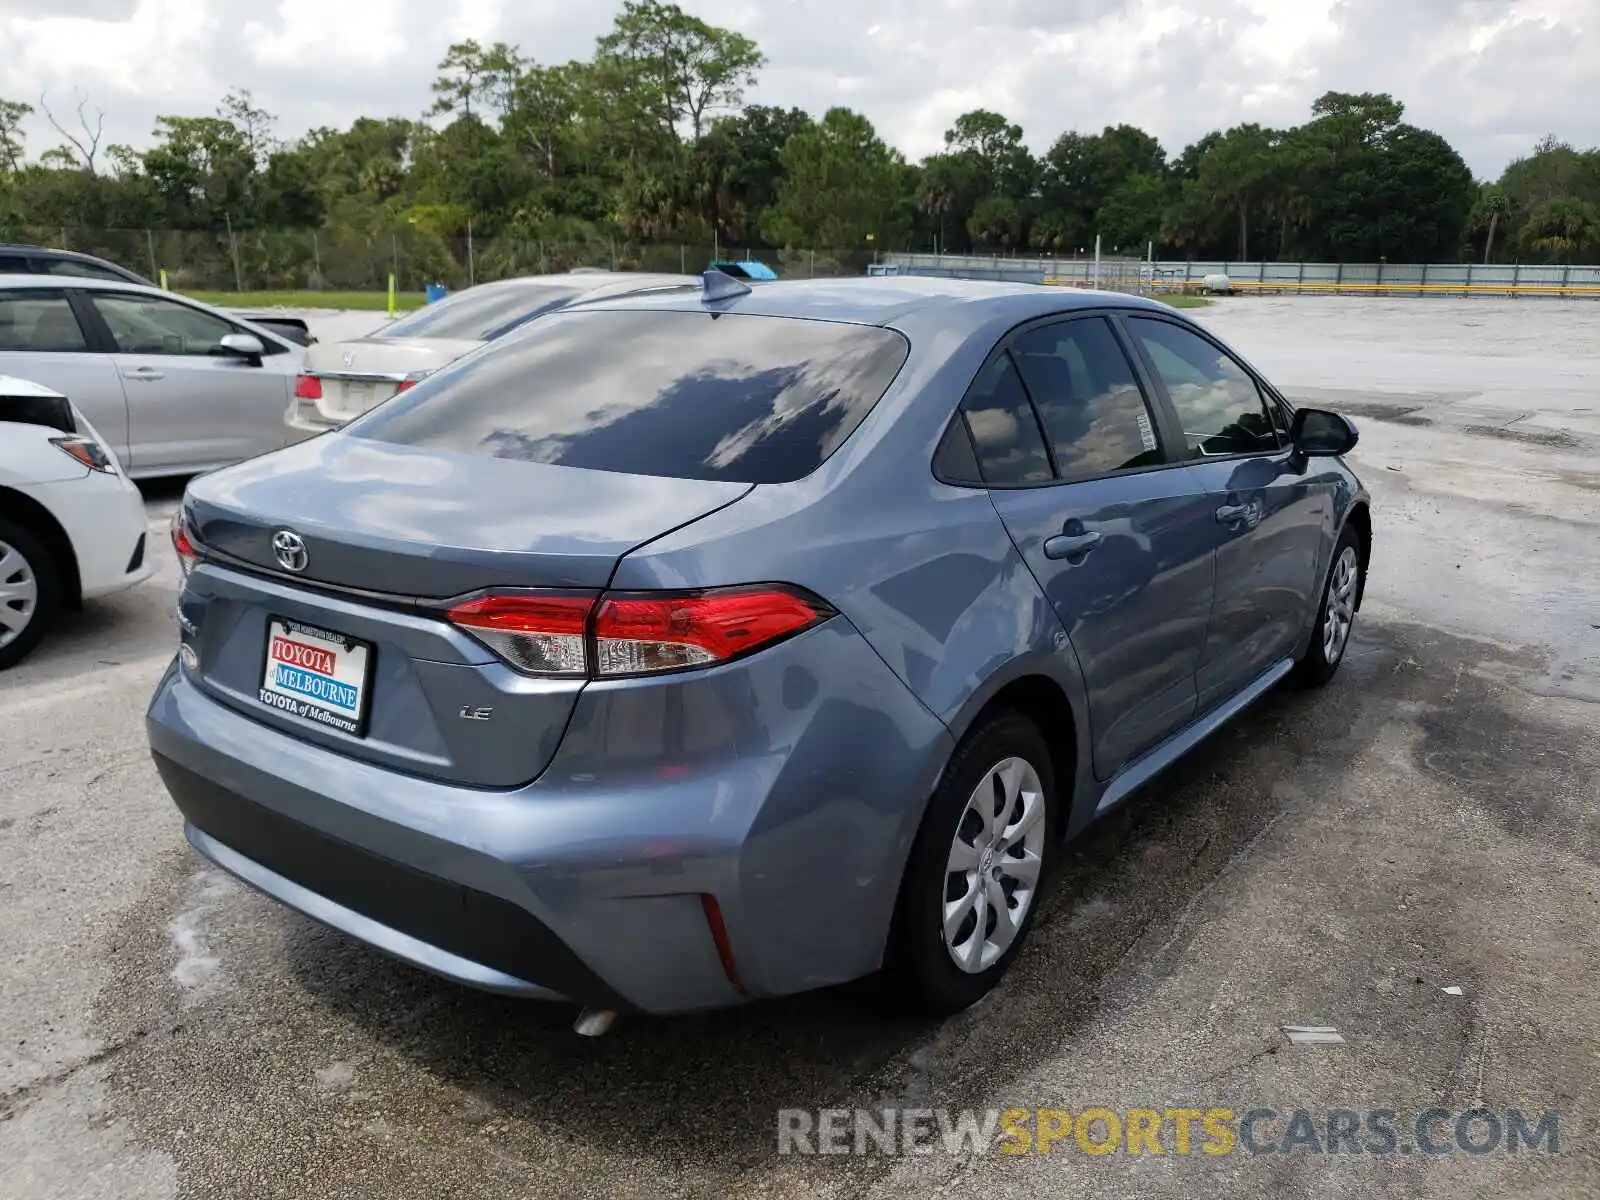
pixel 954 461
pixel 1005 431
pixel 692 395
pixel 40 320
pixel 1088 399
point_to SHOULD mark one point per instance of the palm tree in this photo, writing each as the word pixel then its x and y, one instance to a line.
pixel 936 197
pixel 1562 229
pixel 1491 208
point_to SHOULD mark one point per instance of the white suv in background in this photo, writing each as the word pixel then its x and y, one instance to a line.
pixel 72 527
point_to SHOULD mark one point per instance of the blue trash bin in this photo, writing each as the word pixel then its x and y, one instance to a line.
pixel 436 291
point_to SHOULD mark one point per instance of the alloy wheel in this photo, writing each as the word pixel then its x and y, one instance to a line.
pixel 1341 605
pixel 992 872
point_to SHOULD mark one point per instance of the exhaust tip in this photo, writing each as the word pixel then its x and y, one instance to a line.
pixel 594 1022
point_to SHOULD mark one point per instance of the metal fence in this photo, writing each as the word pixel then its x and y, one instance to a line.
pixel 346 260
pixel 1388 279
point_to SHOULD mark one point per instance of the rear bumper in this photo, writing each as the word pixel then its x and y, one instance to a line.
pixel 306 420
pixel 588 885
pixel 452 930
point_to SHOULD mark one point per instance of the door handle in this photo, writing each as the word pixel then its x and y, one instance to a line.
pixel 1071 545
pixel 144 373
pixel 1248 512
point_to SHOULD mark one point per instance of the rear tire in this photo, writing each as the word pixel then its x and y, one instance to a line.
pixel 1336 614
pixel 985 843
pixel 30 592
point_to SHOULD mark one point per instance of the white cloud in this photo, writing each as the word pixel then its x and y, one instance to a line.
pixel 1491 75
pixel 362 33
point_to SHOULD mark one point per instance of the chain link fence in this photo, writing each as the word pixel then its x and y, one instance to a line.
pixel 338 260
pixel 342 260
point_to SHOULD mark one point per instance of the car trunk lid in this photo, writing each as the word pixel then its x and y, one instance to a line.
pixel 357 376
pixel 417 523
pixel 359 632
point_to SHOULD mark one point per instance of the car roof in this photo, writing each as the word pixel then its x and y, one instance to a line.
pixel 630 280
pixel 33 251
pixel 48 252
pixel 580 278
pixel 80 281
pixel 588 282
pixel 889 299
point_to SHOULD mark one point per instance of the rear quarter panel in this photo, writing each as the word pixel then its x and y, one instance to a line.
pixel 925 572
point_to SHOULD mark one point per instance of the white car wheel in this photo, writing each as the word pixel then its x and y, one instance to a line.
pixel 29 592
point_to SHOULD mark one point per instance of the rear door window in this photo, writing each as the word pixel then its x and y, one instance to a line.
pixel 39 320
pixel 1005 431
pixel 692 395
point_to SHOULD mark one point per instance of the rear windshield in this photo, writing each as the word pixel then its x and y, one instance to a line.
pixel 692 395
pixel 475 315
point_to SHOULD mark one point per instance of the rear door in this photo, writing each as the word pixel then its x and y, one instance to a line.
pixel 43 340
pixel 1115 529
pixel 1268 521
pixel 191 405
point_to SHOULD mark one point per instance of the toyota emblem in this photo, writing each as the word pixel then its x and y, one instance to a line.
pixel 290 550
pixel 349 359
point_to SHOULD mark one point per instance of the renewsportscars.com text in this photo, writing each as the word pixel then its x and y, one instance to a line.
pixel 1176 1131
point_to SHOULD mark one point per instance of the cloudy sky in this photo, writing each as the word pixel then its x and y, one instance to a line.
pixel 1491 75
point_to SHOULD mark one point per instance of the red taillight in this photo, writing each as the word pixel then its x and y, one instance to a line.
pixel 308 387
pixel 640 634
pixel 540 635
pixel 635 633
pixel 410 381
pixel 182 545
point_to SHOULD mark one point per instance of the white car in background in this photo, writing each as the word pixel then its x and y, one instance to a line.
pixel 175 386
pixel 72 526
pixel 342 380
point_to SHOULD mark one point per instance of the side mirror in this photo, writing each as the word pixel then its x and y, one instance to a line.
pixel 243 345
pixel 1317 433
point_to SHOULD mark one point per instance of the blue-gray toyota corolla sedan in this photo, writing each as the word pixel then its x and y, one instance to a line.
pixel 687 649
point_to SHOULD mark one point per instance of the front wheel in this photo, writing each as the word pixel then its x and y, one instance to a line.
pixel 30 592
pixel 1336 615
pixel 972 884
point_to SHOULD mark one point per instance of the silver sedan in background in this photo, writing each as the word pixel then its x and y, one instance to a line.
pixel 175 387
pixel 345 379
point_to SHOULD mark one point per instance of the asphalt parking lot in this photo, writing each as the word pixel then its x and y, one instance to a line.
pixel 1430 821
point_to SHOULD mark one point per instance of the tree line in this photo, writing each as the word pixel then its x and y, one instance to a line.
pixel 650 142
